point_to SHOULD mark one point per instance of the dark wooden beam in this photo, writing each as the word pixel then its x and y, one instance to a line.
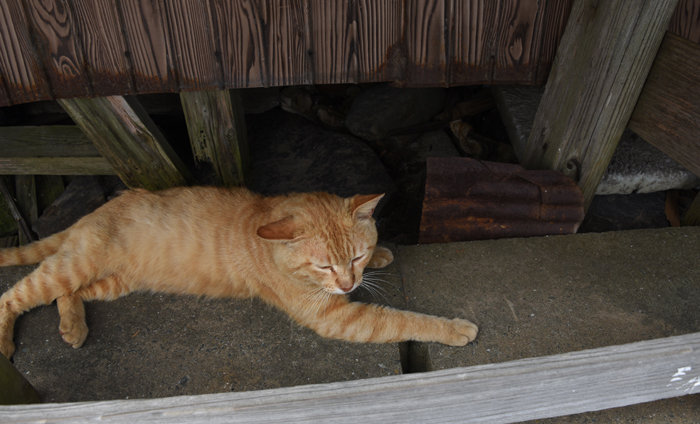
pixel 602 62
pixel 126 136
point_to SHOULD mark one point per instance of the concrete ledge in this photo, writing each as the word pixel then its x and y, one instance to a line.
pixel 636 166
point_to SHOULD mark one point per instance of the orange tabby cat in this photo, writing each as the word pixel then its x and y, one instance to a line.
pixel 291 251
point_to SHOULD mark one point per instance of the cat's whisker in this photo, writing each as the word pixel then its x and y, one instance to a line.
pixel 375 289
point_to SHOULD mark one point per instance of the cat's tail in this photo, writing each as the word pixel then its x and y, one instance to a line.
pixel 32 253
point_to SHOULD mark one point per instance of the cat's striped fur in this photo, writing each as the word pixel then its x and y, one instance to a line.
pixel 300 253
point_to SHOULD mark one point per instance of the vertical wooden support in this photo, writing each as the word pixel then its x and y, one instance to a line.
pixel 126 136
pixel 692 217
pixel 14 388
pixel 604 57
pixel 25 191
pixel 216 126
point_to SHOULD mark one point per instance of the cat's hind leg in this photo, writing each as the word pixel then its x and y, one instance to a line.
pixel 73 328
pixel 52 279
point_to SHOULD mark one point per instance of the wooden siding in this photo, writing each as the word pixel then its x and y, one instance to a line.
pixel 51 49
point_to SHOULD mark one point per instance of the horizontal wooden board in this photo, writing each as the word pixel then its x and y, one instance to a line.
pixel 495 393
pixel 78 48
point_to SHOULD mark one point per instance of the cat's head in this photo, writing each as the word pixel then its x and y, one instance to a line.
pixel 324 239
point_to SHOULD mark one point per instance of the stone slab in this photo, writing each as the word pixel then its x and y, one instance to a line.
pixel 532 297
pixel 151 345
pixel 636 165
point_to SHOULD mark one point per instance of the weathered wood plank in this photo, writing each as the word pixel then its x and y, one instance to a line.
pixel 288 46
pixel 58 43
pixel 518 40
pixel 127 137
pixel 495 393
pixel 189 25
pixel 148 48
pixel 14 388
pixel 25 192
pixel 603 59
pixel 216 126
pixel 667 114
pixel 20 71
pixel 379 30
pixel 426 42
pixel 241 32
pixel 473 35
pixel 49 150
pixel 553 25
pixel 103 45
pixel 686 20
pixel 333 42
pixel 692 217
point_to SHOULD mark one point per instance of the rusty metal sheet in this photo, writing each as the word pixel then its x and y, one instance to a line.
pixel 467 199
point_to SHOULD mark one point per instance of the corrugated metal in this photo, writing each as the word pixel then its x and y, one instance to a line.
pixel 467 199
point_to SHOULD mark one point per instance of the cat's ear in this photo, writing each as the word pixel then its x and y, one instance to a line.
pixel 284 229
pixel 363 205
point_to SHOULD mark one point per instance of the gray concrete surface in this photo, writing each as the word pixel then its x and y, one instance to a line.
pixel 530 297
pixel 557 294
pixel 636 165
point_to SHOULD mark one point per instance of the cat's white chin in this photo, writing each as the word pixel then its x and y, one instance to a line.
pixel 338 290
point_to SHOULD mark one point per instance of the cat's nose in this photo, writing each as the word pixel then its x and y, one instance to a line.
pixel 346 289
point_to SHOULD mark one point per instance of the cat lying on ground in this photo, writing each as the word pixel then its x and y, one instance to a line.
pixel 301 253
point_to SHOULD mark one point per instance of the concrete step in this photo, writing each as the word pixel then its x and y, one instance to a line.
pixel 549 295
pixel 636 165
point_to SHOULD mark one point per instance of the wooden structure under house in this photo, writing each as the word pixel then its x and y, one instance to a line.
pixel 607 65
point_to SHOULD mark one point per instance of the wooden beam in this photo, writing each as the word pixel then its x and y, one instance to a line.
pixel 218 135
pixel 604 57
pixel 49 150
pixel 14 388
pixel 667 114
pixel 126 136
pixel 692 217
pixel 507 392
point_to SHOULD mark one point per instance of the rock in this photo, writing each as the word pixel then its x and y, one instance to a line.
pixel 434 144
pixel 616 212
pixel 382 108
pixel 82 196
pixel 291 154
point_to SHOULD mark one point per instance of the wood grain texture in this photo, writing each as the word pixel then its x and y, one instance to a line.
pixel 379 31
pixel 686 20
pixel 288 42
pixel 241 29
pixel 334 41
pixel 103 46
pixel 473 35
pixel 216 126
pixel 59 44
pixel 426 42
pixel 603 59
pixel 556 15
pixel 667 113
pixel 495 393
pixel 517 40
pixel 148 49
pixel 125 135
pixel 196 65
pixel 22 79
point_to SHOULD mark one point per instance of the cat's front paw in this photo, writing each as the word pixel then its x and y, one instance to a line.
pixel 73 332
pixel 381 258
pixel 461 332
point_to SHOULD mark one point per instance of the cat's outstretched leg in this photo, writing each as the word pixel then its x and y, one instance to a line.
pixel 380 258
pixel 73 328
pixel 41 287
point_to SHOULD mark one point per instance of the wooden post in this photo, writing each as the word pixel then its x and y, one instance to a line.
pixel 49 150
pixel 667 114
pixel 216 126
pixel 603 59
pixel 14 388
pixel 126 136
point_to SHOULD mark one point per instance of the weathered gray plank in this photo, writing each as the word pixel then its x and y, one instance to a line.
pixel 494 393
pixel 126 136
pixel 49 150
pixel 216 127
pixel 601 64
